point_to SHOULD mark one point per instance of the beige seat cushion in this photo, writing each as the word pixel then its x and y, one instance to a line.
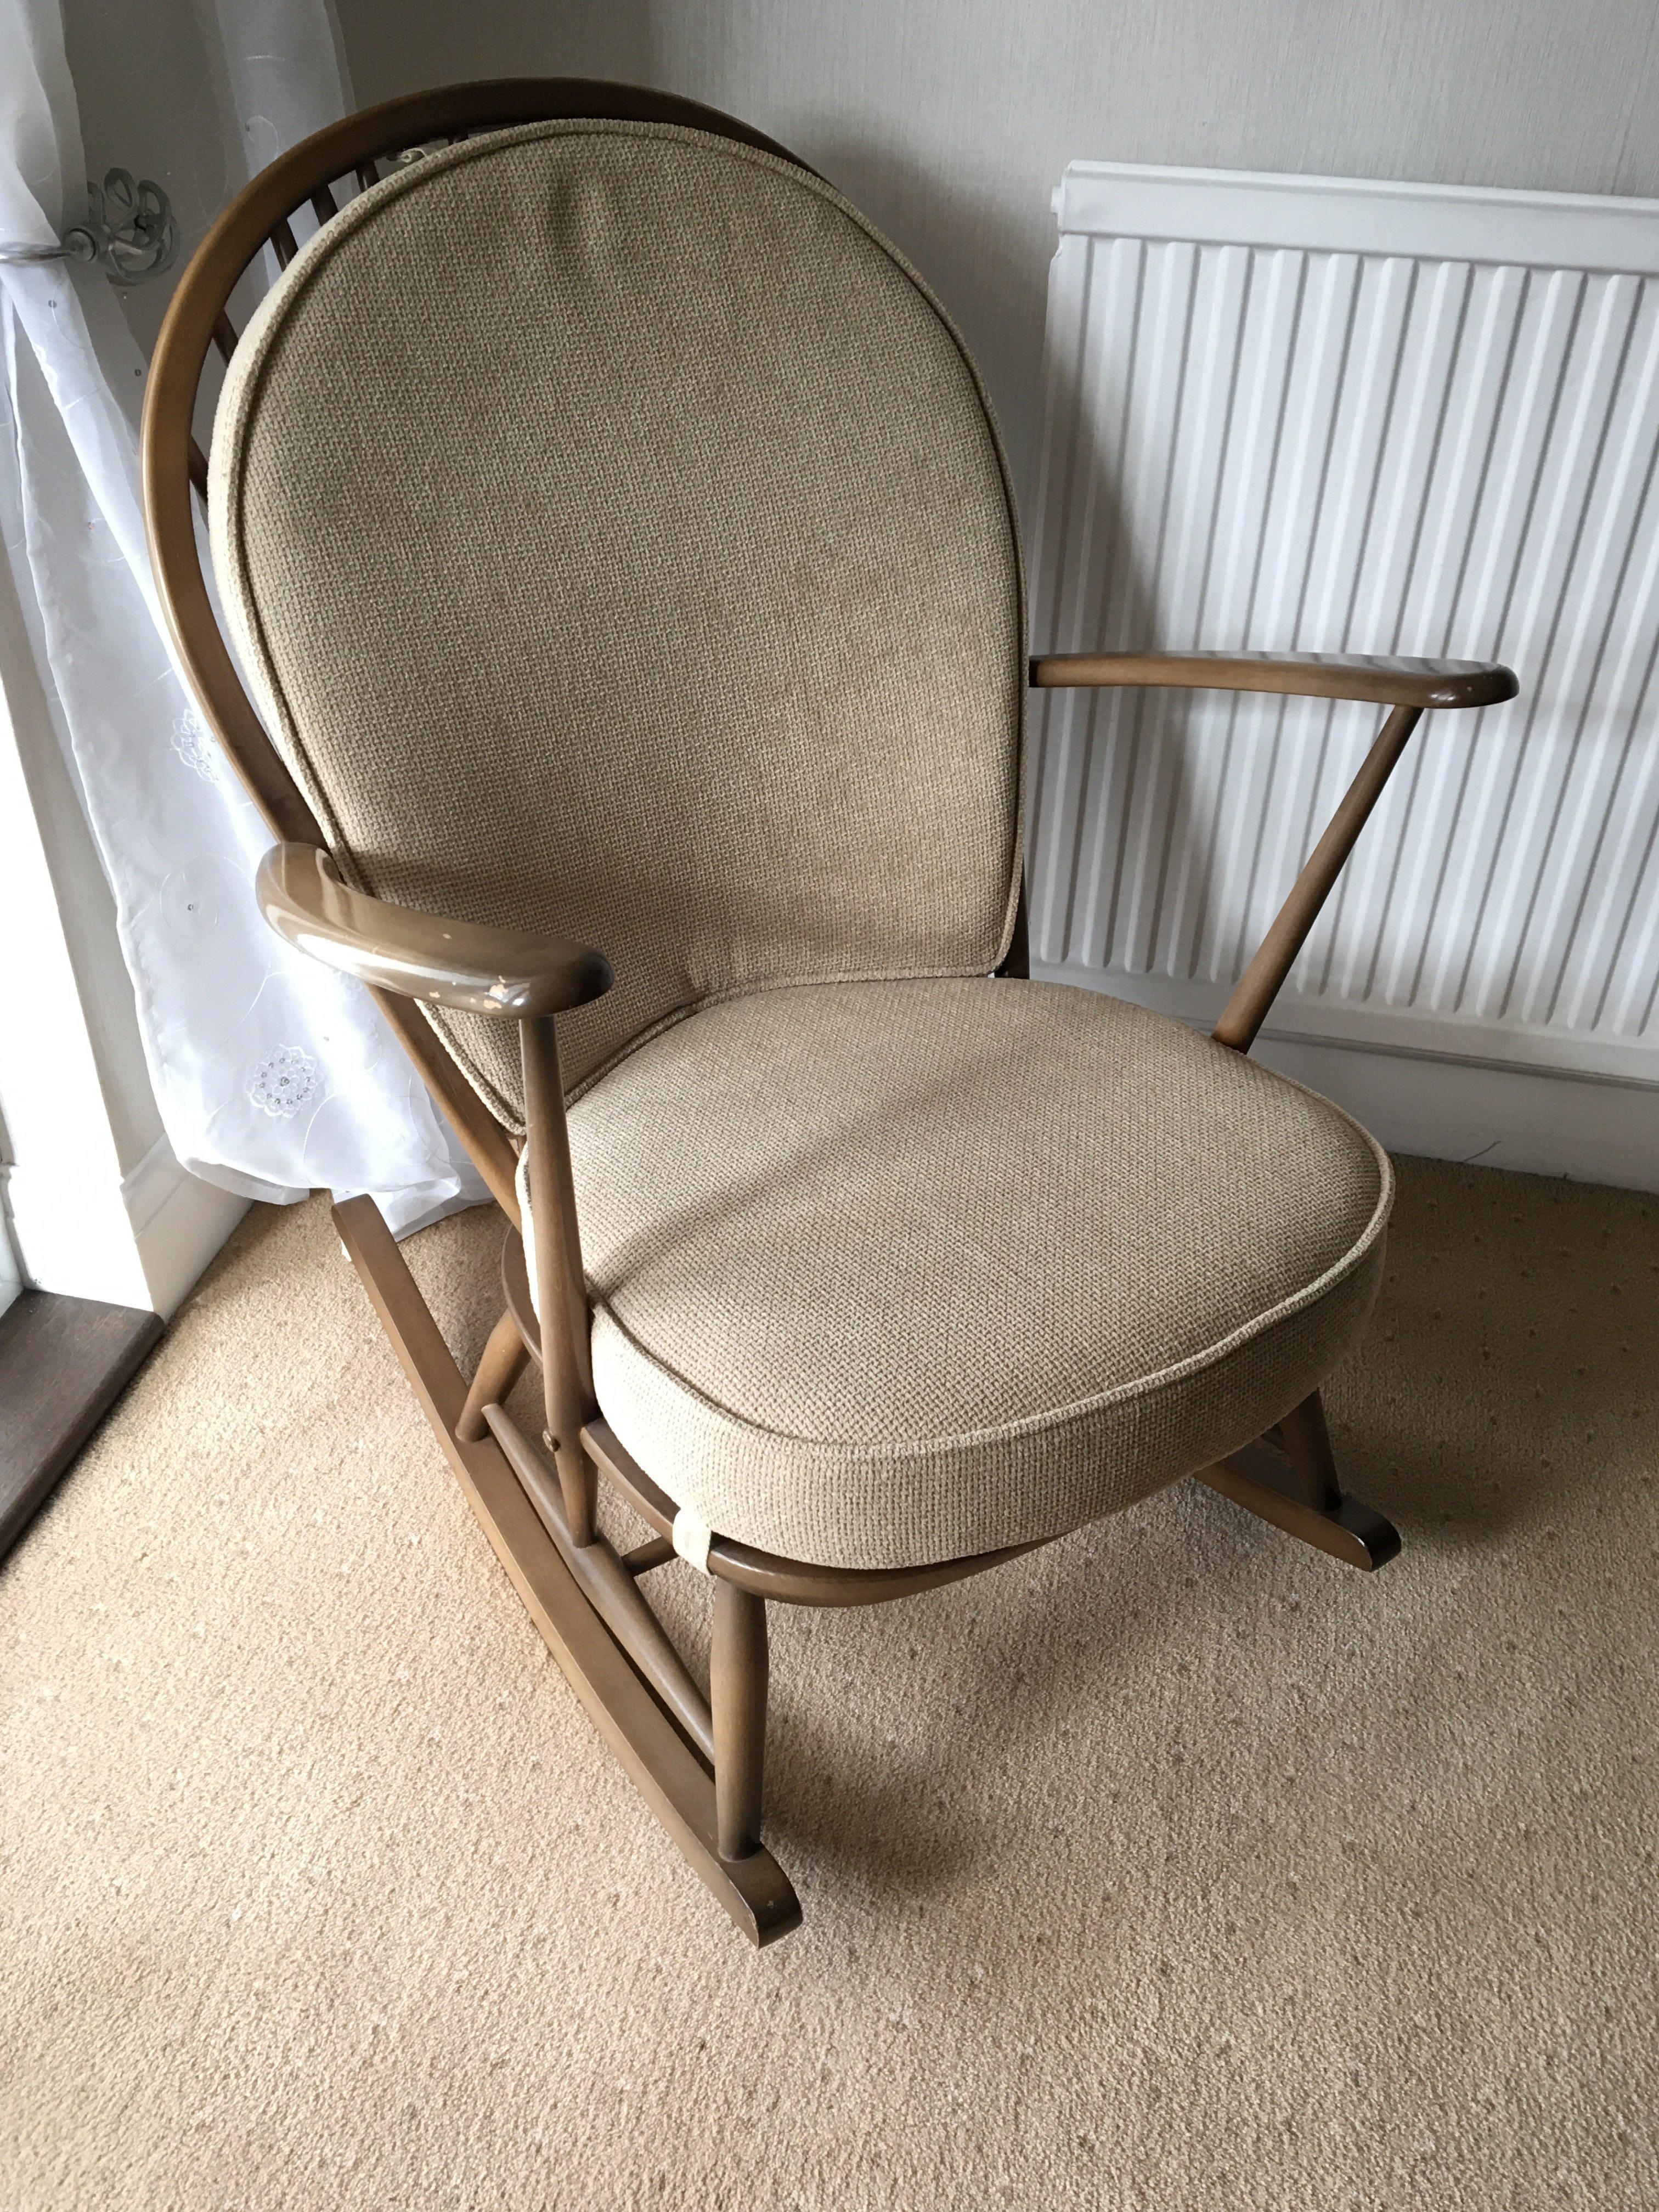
pixel 890 1272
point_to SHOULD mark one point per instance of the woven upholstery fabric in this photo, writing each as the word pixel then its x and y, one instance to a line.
pixel 890 1272
pixel 616 536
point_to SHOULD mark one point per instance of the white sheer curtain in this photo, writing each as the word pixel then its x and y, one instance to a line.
pixel 273 1076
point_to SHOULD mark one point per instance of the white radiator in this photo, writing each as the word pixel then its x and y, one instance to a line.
pixel 1307 413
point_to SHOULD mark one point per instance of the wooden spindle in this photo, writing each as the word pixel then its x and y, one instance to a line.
pixel 560 1294
pixel 1258 987
pixel 503 1362
pixel 737 1672
pixel 655 1551
pixel 283 244
pixel 324 205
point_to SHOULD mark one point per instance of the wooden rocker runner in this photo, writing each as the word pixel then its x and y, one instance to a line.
pixel 615 535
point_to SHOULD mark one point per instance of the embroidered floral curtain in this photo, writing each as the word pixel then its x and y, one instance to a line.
pixel 273 1075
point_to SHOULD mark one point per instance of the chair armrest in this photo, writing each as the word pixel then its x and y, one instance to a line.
pixel 1384 680
pixel 518 975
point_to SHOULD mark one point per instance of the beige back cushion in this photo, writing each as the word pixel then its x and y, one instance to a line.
pixel 616 533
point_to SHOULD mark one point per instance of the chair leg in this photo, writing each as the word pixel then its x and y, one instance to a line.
pixel 670 1774
pixel 561 1296
pixel 503 1361
pixel 1306 1443
pixel 737 1688
pixel 1289 1479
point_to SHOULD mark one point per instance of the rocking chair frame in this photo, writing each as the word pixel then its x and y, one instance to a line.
pixel 698 1760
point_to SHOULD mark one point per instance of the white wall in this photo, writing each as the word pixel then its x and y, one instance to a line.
pixel 950 121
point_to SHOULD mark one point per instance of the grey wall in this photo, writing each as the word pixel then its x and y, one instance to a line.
pixel 152 100
pixel 950 121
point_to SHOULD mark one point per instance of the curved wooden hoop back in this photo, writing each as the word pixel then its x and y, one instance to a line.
pixel 173 464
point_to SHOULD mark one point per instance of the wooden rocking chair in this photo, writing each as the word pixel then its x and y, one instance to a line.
pixel 616 533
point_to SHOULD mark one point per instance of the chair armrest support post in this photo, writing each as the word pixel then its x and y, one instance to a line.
pixel 1260 983
pixel 562 1307
pixel 1409 687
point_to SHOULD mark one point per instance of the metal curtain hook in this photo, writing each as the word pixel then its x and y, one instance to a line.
pixel 129 232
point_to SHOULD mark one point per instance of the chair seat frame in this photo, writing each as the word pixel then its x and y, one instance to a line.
pixel 697 1758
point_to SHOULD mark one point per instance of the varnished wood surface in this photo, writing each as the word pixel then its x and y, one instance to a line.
pixel 513 975
pixel 655 1551
pixel 1260 983
pixel 610 1588
pixel 662 1766
pixel 737 1672
pixel 62 1364
pixel 502 1361
pixel 1384 680
pixel 1305 1441
pixel 488 1146
pixel 1260 1479
pixel 564 1328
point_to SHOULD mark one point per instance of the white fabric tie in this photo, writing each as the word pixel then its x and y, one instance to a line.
pixel 691 1539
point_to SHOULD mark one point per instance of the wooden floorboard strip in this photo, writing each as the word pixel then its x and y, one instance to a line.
pixel 62 1364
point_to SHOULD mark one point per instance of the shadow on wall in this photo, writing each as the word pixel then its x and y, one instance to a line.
pixel 1090 753
pixel 406 45
pixel 151 91
pixel 969 251
pixel 971 257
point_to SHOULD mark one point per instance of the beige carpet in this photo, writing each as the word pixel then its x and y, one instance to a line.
pixel 1176 1866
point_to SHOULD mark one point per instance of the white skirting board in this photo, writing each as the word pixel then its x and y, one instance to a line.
pixel 83 1230
pixel 1491 1117
pixel 1329 415
pixel 178 1224
pixel 1587 1129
